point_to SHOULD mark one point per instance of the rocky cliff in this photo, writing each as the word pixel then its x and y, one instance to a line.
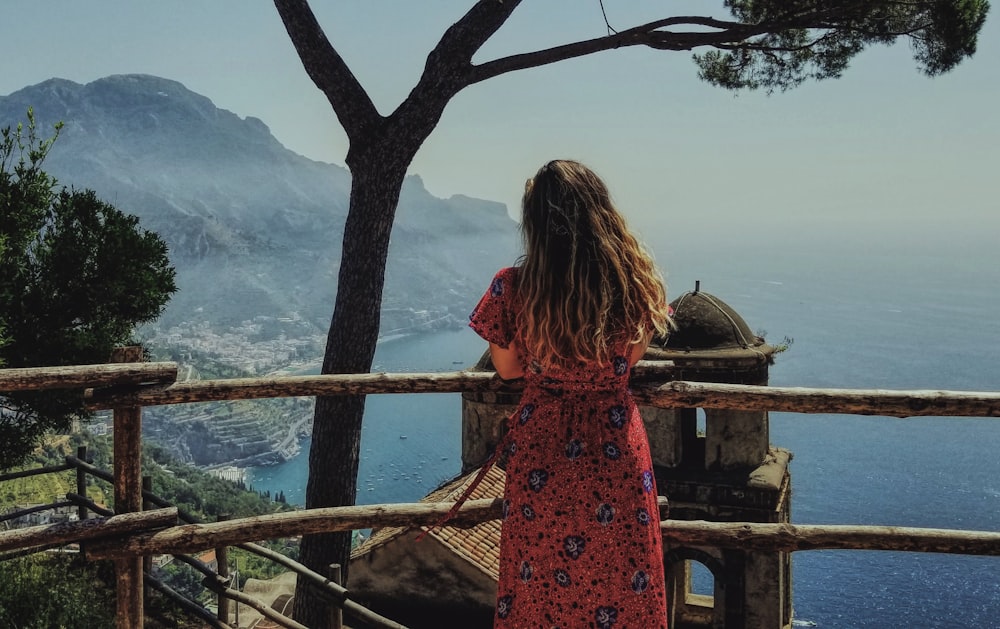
pixel 255 233
pixel 253 228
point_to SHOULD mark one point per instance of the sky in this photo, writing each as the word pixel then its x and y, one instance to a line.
pixel 882 153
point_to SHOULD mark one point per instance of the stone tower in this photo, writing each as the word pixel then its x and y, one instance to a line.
pixel 718 465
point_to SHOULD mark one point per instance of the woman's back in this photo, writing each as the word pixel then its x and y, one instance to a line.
pixel 579 544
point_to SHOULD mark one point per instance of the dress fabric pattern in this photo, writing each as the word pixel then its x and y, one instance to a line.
pixel 579 546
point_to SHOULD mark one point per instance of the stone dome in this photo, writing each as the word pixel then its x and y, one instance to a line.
pixel 705 322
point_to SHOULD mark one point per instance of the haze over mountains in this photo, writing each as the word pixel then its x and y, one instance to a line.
pixel 253 228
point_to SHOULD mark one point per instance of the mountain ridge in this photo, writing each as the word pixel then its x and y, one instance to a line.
pixel 242 214
pixel 255 233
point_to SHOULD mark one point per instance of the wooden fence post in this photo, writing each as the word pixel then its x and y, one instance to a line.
pixel 81 483
pixel 128 498
pixel 147 560
pixel 222 561
pixel 336 611
pixel 81 490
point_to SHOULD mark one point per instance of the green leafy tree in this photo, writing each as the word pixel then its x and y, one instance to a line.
pixel 772 45
pixel 48 590
pixel 56 590
pixel 76 276
pixel 3 339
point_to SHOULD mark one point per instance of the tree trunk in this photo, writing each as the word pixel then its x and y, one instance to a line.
pixel 377 177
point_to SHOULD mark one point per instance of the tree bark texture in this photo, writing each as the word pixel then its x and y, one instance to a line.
pixel 89 529
pixel 336 435
pixel 82 376
pixel 128 499
pixel 381 149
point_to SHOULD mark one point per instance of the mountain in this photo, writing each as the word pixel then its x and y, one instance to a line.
pixel 254 229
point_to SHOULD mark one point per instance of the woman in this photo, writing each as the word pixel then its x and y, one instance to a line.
pixel 580 545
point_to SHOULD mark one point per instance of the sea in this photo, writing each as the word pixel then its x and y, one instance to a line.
pixel 874 309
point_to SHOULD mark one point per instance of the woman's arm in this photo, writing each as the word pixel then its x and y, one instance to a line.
pixel 638 349
pixel 506 360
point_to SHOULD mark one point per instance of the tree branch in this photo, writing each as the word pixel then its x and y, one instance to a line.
pixel 645 35
pixel 466 36
pixel 327 68
pixel 720 34
pixel 448 68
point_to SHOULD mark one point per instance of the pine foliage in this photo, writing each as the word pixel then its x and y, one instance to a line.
pixel 76 276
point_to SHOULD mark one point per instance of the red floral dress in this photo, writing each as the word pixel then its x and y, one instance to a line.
pixel 580 544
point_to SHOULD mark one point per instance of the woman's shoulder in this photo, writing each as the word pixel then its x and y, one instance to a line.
pixel 508 272
pixel 503 279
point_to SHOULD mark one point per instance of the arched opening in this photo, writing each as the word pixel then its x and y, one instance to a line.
pixel 694 586
pixel 700 579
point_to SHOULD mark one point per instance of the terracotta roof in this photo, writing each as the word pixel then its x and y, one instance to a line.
pixel 479 545
pixel 207 557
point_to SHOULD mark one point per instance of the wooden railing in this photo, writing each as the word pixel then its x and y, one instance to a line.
pixel 110 529
pixel 132 533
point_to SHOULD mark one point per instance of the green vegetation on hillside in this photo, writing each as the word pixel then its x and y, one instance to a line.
pixel 56 590
pixel 200 494
pixel 63 590
pixel 76 276
pixel 49 488
pixel 196 492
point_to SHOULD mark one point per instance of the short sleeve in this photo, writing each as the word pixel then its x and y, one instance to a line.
pixel 493 317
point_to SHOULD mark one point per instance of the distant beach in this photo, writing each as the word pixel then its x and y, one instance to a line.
pixel 231 473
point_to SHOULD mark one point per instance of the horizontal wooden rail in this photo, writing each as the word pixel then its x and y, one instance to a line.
pixel 85 530
pixel 891 403
pixel 36 471
pixel 331 384
pixel 339 593
pixel 218 585
pixel 191 538
pixel 85 376
pixel 673 394
pixel 29 550
pixel 185 603
pixel 195 564
pixel 795 537
pixel 89 468
pixel 84 501
pixel 765 537
pixel 832 401
pixel 292 386
pixel 97 472
pixel 29 510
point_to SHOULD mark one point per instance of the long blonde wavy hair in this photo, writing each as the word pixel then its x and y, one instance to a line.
pixel 585 282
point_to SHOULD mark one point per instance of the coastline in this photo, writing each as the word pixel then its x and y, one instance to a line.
pixel 312 367
pixel 243 470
